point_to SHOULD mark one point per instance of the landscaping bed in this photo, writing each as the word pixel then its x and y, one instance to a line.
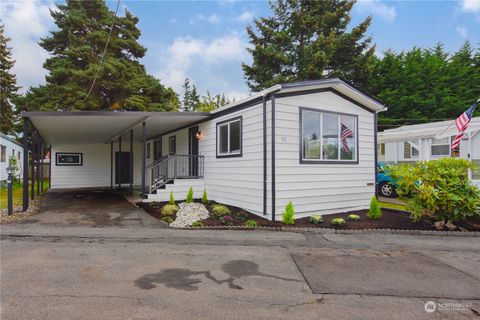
pixel 391 219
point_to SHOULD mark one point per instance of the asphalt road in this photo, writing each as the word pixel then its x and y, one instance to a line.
pixel 151 273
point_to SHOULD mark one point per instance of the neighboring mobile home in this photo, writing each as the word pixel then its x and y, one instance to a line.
pixel 429 141
pixel 9 147
pixel 312 143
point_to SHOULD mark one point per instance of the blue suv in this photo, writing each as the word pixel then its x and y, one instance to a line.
pixel 386 185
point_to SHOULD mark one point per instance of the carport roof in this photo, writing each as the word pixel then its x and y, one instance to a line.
pixel 76 127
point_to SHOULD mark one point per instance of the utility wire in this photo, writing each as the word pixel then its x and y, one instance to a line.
pixel 104 52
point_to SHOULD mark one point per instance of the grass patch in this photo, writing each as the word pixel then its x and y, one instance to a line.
pixel 389 205
pixel 17 194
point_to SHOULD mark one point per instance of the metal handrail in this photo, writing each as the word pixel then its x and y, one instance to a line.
pixel 173 167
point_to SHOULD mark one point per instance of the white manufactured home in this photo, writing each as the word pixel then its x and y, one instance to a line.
pixel 9 147
pixel 312 143
pixel 429 141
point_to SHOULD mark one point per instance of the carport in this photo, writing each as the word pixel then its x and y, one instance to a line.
pixel 95 149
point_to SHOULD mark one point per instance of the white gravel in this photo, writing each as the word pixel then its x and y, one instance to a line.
pixel 189 213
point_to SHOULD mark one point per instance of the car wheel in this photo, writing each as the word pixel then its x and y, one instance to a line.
pixel 387 190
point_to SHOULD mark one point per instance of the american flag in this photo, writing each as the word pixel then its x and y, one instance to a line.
pixel 346 133
pixel 462 125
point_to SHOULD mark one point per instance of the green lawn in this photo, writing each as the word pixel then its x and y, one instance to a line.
pixel 17 194
pixel 388 205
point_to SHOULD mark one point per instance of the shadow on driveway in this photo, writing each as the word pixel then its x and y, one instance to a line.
pixel 99 208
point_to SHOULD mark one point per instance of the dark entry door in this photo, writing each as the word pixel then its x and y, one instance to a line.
pixel 193 151
pixel 122 167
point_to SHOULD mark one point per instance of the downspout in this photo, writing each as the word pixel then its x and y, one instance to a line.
pixel 273 157
pixel 375 124
pixel 264 103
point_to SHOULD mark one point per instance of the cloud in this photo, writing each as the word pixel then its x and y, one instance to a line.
pixel 214 19
pixel 463 32
pixel 246 16
pixel 471 6
pixel 377 8
pixel 25 23
pixel 187 52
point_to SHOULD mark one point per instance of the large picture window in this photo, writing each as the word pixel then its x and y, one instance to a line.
pixel 229 138
pixel 441 147
pixel 327 137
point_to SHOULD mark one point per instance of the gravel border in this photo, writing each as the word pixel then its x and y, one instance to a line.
pixel 343 231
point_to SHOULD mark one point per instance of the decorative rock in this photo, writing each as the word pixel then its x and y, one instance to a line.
pixel 450 226
pixel 189 213
pixel 439 225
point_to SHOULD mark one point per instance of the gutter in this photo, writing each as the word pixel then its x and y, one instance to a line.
pixel 375 142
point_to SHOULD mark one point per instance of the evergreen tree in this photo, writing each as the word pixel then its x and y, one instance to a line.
pixel 191 98
pixel 76 50
pixel 8 85
pixel 209 102
pixel 425 85
pixel 306 40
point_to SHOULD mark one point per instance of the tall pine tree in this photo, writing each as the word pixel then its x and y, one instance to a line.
pixel 8 85
pixel 76 50
pixel 306 40
pixel 191 98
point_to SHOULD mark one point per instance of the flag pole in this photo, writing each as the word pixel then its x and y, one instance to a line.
pixel 478 100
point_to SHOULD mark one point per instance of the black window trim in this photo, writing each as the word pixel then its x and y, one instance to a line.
pixel 235 155
pixel 300 153
pixel 174 151
pixel 59 164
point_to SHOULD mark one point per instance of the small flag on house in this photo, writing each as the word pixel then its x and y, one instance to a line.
pixel 346 133
pixel 462 124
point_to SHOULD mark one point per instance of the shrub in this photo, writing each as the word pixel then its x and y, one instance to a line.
pixel 169 209
pixel 339 222
pixel 242 215
pixel 438 188
pixel 197 224
pixel 167 219
pixel 219 210
pixel 171 200
pixel 353 217
pixel 227 220
pixel 189 198
pixel 375 211
pixel 316 218
pixel 287 215
pixel 154 205
pixel 250 223
pixel 205 197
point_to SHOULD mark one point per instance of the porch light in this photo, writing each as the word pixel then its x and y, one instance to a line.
pixel 10 170
pixel 199 135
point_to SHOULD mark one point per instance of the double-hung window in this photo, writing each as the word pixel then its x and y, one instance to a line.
pixel 440 147
pixel 229 138
pixel 327 137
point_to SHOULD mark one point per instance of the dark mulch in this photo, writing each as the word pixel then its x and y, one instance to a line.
pixel 391 219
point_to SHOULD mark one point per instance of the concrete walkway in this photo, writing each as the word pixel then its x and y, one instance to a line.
pixel 54 272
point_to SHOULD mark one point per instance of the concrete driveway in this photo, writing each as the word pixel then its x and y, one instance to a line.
pixel 93 208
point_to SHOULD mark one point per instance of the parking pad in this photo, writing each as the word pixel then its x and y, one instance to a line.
pixel 405 275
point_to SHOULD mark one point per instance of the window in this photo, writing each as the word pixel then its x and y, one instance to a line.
pixel 229 138
pixel 148 150
pixel 327 137
pixel 69 159
pixel 172 145
pixel 441 147
pixel 3 155
pixel 410 151
pixel 381 149
pixel 157 149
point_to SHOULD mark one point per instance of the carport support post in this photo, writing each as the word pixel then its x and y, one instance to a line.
pixel 144 157
pixel 119 162
pixel 131 161
pixel 25 164
pixel 41 167
pixel 111 165
pixel 38 167
pixel 32 186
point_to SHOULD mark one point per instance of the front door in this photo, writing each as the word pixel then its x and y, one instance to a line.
pixel 193 151
pixel 122 167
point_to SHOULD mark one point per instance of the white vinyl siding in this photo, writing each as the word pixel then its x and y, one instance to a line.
pixel 10 148
pixel 322 187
